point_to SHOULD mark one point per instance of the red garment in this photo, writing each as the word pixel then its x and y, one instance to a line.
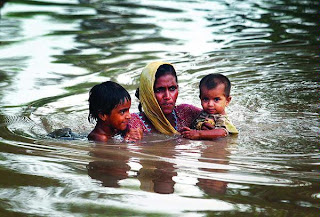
pixel 185 115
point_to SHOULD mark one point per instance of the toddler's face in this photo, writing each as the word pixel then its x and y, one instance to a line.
pixel 214 101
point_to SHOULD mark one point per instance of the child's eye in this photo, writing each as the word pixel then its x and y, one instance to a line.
pixel 122 112
pixel 205 99
pixel 216 99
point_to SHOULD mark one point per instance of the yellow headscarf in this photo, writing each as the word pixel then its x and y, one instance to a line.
pixel 149 102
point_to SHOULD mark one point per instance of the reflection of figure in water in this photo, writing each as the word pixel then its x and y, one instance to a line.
pixel 109 105
pixel 215 97
pixel 215 152
pixel 111 167
pixel 156 175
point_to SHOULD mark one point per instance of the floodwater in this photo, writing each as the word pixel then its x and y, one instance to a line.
pixel 53 52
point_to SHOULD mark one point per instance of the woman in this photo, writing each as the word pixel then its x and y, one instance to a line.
pixel 158 92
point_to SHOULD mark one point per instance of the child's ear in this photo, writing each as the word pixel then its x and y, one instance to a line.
pixel 103 117
pixel 228 100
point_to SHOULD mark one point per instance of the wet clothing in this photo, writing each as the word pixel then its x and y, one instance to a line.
pixel 185 114
pixel 66 134
pixel 217 120
pixel 149 102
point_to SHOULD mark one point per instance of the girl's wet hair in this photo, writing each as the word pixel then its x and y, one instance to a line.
pixel 165 69
pixel 104 97
pixel 211 81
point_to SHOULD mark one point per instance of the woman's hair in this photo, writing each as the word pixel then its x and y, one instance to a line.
pixel 213 80
pixel 104 97
pixel 165 69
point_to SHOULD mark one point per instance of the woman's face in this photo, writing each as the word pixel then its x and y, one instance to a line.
pixel 166 92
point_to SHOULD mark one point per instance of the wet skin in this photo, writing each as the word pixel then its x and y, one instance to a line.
pixel 214 101
pixel 166 93
pixel 119 116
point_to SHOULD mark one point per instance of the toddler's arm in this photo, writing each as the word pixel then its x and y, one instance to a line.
pixel 204 134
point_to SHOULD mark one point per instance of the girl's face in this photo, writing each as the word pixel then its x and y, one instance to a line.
pixel 166 92
pixel 119 116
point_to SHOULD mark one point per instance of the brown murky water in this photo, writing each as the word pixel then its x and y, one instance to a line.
pixel 53 52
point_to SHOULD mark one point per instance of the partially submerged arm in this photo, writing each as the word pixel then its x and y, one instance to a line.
pixel 204 134
pixel 134 134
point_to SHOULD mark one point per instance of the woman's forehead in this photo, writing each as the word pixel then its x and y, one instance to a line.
pixel 167 79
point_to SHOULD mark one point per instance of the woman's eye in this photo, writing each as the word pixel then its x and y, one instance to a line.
pixel 172 88
pixel 158 90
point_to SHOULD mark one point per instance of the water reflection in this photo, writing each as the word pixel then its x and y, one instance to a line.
pixel 159 163
pixel 112 166
pixel 53 52
pixel 214 152
pixel 156 174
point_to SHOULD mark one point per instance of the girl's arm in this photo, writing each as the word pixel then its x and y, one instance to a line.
pixel 134 134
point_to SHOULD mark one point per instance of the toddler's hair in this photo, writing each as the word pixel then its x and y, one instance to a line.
pixel 213 80
pixel 104 97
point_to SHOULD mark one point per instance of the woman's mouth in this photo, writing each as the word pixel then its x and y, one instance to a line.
pixel 167 104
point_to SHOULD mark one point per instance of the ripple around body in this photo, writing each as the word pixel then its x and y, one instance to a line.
pixel 53 52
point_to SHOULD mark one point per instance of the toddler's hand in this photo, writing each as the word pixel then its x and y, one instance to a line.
pixel 207 126
pixel 189 133
pixel 134 135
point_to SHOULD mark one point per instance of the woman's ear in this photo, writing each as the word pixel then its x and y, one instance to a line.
pixel 103 117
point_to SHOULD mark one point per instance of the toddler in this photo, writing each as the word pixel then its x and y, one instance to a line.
pixel 212 122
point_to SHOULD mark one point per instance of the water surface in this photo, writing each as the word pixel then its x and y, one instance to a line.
pixel 53 52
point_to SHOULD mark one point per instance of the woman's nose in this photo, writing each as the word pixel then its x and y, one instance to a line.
pixel 167 94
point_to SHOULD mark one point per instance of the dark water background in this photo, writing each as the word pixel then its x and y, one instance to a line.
pixel 53 52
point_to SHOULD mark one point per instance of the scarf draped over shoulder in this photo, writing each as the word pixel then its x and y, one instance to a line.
pixel 149 102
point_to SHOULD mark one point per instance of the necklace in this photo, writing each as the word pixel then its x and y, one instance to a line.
pixel 175 120
pixel 149 128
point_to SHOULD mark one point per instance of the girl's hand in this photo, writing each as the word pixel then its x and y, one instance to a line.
pixel 190 134
pixel 134 135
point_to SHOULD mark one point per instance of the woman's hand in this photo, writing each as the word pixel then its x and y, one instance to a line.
pixel 190 134
pixel 134 135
